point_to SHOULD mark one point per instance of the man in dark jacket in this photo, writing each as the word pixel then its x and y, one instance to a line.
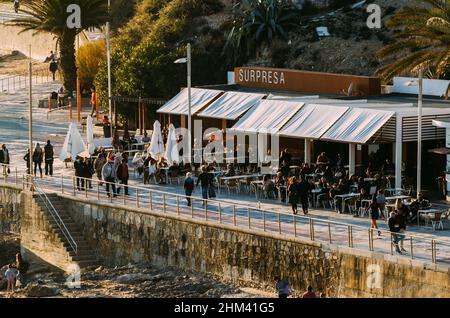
pixel 123 175
pixel 306 186
pixel 394 227
pixel 79 173
pixel 48 157
pixel 204 179
pixel 4 159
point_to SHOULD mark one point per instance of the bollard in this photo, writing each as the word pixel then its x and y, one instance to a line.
pixel 50 103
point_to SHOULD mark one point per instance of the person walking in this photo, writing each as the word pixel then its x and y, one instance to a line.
pixel 22 268
pixel 98 166
pixel 4 159
pixel 305 188
pixel 375 211
pixel 93 101
pixel 188 187
pixel 293 194
pixel 123 175
pixel 79 172
pixel 109 175
pixel 402 212
pixel 53 67
pixel 204 179
pixel 394 228
pixel 38 156
pixel 48 157
pixel 26 158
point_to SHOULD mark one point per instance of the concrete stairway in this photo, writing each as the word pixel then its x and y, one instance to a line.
pixel 85 255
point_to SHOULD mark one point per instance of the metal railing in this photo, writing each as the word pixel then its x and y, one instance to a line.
pixel 434 249
pixel 53 212
pixel 15 82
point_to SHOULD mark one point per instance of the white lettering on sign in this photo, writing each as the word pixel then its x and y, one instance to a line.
pixel 261 76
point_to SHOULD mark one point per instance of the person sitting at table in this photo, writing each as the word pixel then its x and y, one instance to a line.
pixel 420 203
pixel 268 187
pixel 280 184
pixel 353 180
pixel 149 169
pixel 324 194
pixel 338 160
pixel 363 184
pixel 146 138
pixel 319 170
pixel 160 174
pixel 138 163
pixel 306 170
pixel 231 172
pixel 340 173
pixel 344 186
pixel 328 174
pixel 322 159
pixel 334 192
pixel 133 139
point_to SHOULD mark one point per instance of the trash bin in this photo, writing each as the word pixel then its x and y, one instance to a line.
pixel 107 130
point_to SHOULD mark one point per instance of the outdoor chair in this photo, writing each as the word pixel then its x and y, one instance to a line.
pixel 436 220
pixel 324 198
pixel 232 184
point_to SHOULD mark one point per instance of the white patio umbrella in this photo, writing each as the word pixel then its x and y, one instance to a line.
pixel 156 149
pixel 172 155
pixel 73 144
pixel 90 134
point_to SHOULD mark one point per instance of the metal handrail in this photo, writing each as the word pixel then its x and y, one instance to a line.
pixel 23 79
pixel 55 215
pixel 315 224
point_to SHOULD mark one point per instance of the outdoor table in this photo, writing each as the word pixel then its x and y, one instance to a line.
pixel 395 191
pixel 369 179
pixel 242 176
pixel 397 197
pixel 429 211
pixel 346 197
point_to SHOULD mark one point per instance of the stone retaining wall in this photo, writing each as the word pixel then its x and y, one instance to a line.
pixel 10 207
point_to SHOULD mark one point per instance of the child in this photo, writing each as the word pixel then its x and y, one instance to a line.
pixel 11 274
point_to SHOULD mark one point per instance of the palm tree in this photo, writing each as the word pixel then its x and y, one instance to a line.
pixel 422 39
pixel 51 16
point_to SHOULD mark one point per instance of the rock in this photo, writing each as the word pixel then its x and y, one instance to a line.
pixel 128 278
pixel 37 290
pixel 98 269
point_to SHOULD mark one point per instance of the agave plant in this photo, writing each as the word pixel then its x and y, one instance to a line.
pixel 422 39
pixel 259 22
pixel 51 16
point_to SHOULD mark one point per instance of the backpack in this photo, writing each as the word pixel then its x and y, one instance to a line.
pixel 109 170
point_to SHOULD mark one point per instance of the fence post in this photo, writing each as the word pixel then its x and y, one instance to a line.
pixel 62 183
pixel 137 197
pixel 73 185
pixel 85 187
pixel 220 214
pixel 151 201
pixel 15 175
pixel 350 236
pixel 433 251
pixel 178 205
pixel 411 247
pixel 295 224
pixel 234 215
pixel 279 223
pixel 311 228
pixel 98 191
pixel 164 202
pixel 206 209
pixel 264 220
pixel 392 247
pixel 329 232
pixel 192 207
pixel 248 217
pixel 124 197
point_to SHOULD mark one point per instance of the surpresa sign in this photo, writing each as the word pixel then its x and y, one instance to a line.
pixel 306 81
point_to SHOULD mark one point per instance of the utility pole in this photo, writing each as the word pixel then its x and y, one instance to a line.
pixel 108 54
pixel 30 123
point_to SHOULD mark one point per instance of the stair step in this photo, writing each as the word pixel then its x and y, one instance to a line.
pixel 82 258
pixel 87 263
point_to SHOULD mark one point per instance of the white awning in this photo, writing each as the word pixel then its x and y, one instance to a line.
pixel 267 116
pixel 199 98
pixel 312 121
pixel 231 105
pixel 358 125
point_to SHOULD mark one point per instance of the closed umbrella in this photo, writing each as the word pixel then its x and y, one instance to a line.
pixel 172 155
pixel 156 149
pixel 73 144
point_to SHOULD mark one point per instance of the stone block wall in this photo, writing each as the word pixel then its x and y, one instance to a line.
pixel 250 258
pixel 10 207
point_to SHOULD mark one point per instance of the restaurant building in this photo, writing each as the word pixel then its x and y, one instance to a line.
pixel 312 112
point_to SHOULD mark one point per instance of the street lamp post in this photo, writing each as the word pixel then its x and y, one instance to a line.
pixel 108 54
pixel 419 83
pixel 30 124
pixel 419 133
pixel 187 60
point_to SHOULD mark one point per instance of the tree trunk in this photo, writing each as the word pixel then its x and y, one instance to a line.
pixel 67 65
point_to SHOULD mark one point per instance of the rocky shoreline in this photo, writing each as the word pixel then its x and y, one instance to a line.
pixel 130 281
